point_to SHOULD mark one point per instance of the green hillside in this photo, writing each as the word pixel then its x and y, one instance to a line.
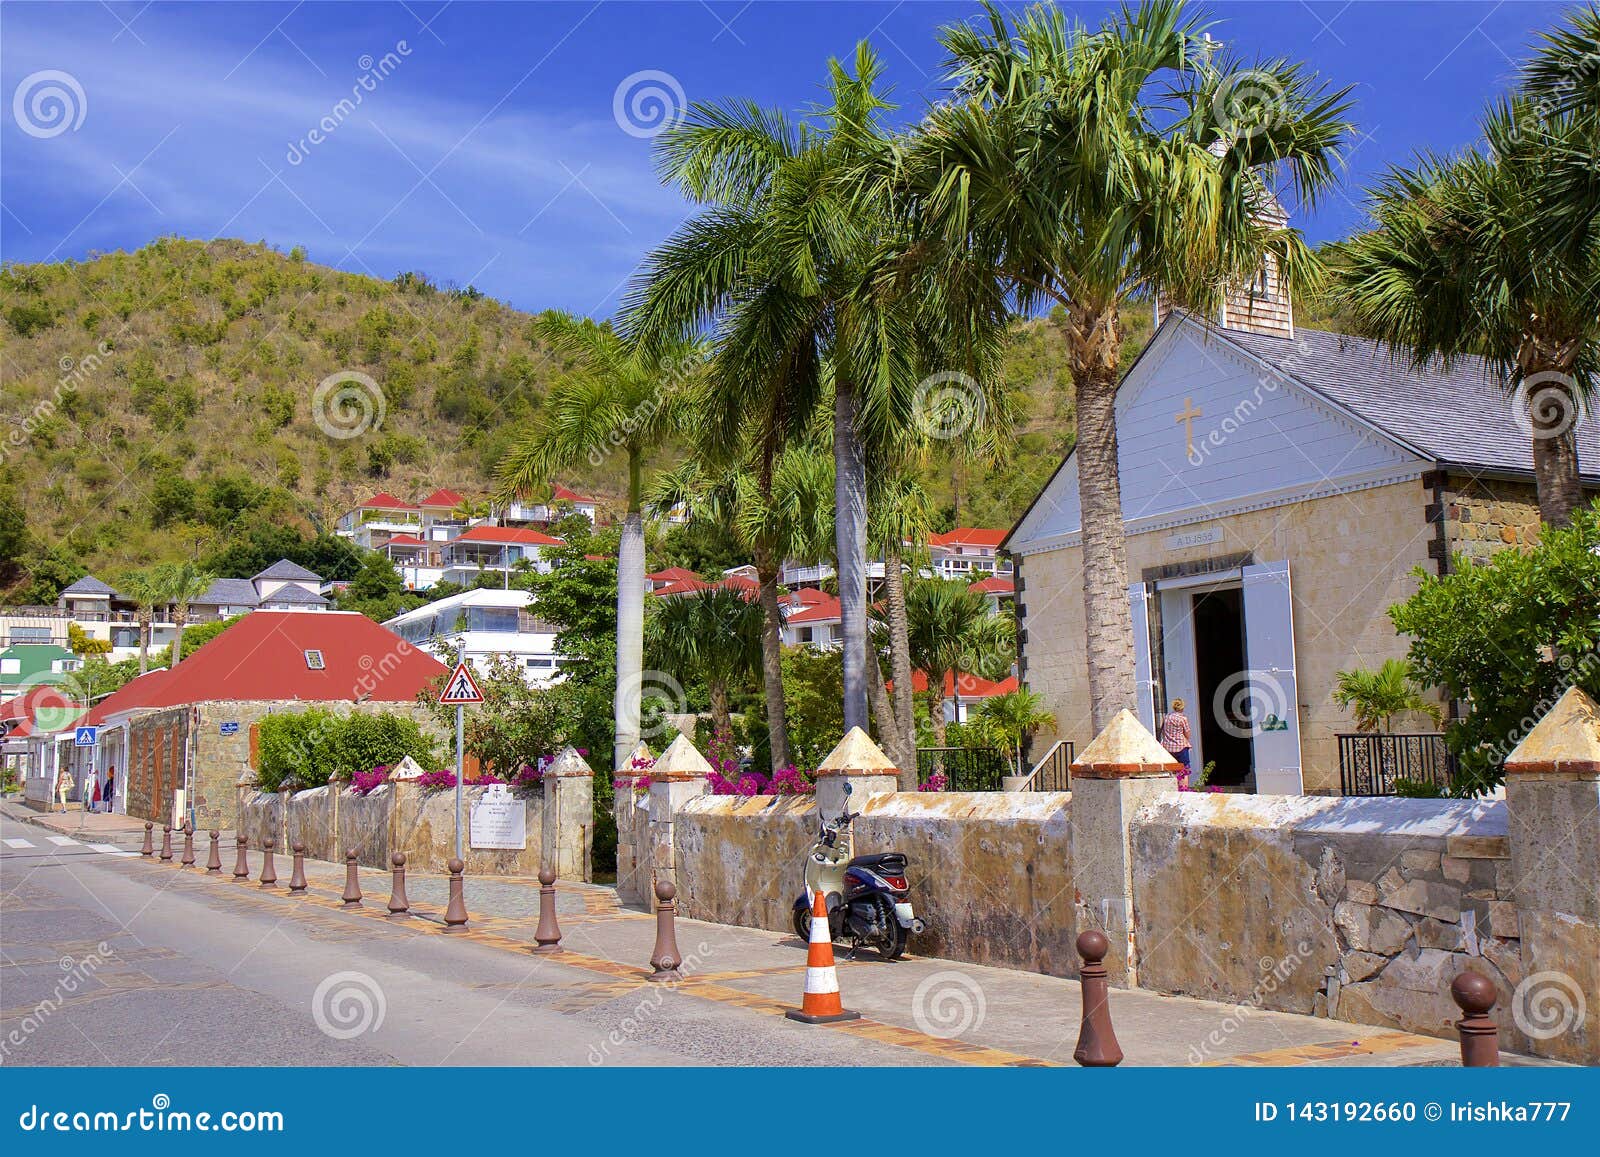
pixel 160 404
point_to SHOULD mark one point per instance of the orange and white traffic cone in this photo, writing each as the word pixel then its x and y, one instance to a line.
pixel 820 1004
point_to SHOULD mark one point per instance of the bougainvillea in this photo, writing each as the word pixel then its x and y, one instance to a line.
pixel 935 782
pixel 792 781
pixel 364 781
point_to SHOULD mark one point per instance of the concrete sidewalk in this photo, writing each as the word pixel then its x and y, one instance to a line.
pixel 103 827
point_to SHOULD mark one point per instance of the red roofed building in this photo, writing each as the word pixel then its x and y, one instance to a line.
pixel 544 513
pixel 962 692
pixel 812 621
pixel 378 518
pixel 193 727
pixel 673 574
pixel 497 549
pixel 442 501
pixel 966 549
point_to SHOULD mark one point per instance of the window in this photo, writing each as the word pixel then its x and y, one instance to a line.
pixel 30 634
pixel 10 666
pixel 314 661
pixel 492 619
pixel 541 664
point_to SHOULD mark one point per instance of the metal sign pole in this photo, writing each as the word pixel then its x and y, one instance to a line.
pixel 460 771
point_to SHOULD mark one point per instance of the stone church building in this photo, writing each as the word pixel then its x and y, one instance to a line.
pixel 1280 488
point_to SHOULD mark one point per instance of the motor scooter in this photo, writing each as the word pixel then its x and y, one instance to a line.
pixel 868 897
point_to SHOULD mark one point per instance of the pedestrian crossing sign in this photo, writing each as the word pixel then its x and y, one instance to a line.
pixel 461 687
pixel 83 737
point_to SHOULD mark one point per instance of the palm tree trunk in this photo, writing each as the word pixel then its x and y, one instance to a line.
pixel 1095 345
pixel 936 715
pixel 889 737
pixel 721 716
pixel 180 620
pixel 772 661
pixel 144 641
pixel 894 593
pixel 1555 457
pixel 630 623
pixel 850 540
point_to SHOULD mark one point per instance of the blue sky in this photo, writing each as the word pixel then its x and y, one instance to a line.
pixel 490 151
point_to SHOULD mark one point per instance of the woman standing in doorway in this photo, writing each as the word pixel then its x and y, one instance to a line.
pixel 111 788
pixel 1175 734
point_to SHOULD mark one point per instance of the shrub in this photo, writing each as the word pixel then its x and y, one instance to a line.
pixel 306 748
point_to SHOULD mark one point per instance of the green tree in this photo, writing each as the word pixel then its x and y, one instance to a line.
pixel 1376 697
pixel 1461 263
pixel 1011 719
pixel 813 690
pixel 376 590
pixel 1086 167
pixel 182 583
pixel 713 635
pixel 953 632
pixel 1506 638
pixel 146 590
pixel 618 399
pixel 83 644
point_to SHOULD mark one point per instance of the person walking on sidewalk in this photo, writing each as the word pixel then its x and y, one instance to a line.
pixel 63 787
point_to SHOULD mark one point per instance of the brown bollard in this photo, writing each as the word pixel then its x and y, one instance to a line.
pixel 455 912
pixel 297 877
pixel 548 934
pixel 1097 1043
pixel 241 862
pixel 666 958
pixel 166 843
pixel 352 882
pixel 399 906
pixel 149 848
pixel 269 874
pixel 214 859
pixel 188 846
pixel 1480 1037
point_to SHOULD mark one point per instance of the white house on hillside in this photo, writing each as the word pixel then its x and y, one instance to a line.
pixel 486 623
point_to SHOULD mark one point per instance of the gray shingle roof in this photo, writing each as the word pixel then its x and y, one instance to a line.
pixel 230 592
pixel 293 572
pixel 88 585
pixel 290 593
pixel 1461 417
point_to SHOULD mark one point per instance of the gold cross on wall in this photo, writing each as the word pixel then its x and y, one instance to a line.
pixel 1187 416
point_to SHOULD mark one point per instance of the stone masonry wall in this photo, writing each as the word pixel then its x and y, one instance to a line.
pixel 1360 909
pixel 1484 516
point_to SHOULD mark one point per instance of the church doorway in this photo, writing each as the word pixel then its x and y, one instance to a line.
pixel 1219 669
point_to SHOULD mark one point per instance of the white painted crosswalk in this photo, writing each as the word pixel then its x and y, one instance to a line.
pixel 111 850
pixel 17 844
pixel 63 841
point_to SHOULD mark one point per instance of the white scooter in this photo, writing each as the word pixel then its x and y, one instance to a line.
pixel 869 897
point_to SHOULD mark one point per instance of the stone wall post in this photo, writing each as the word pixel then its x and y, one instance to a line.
pixel 1123 769
pixel 859 763
pixel 679 776
pixel 623 806
pixel 1553 812
pixel 567 827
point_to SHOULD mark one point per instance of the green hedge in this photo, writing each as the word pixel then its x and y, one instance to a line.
pixel 308 747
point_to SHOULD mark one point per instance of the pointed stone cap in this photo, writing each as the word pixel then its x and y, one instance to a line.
pixel 627 770
pixel 568 764
pixel 248 778
pixel 406 769
pixel 680 762
pixel 1565 742
pixel 857 755
pixel 1123 750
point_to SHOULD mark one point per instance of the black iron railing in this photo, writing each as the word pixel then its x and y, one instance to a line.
pixel 1053 772
pixel 963 768
pixel 1369 764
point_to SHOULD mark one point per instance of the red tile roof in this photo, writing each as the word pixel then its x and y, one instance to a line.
pixel 561 494
pixel 405 540
pixel 972 686
pixel 994 585
pixel 448 499
pixel 822 611
pixel 507 534
pixel 804 596
pixel 682 587
pixel 738 582
pixel 671 575
pixel 383 500
pixel 968 536
pixel 262 657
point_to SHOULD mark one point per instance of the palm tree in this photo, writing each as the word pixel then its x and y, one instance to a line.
pixel 619 399
pixel 146 590
pixel 712 634
pixel 952 632
pixel 1012 718
pixel 1378 696
pixel 1461 263
pixel 467 509
pixel 1087 167
pixel 182 583
pixel 795 271
pixel 1563 81
pixel 898 530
